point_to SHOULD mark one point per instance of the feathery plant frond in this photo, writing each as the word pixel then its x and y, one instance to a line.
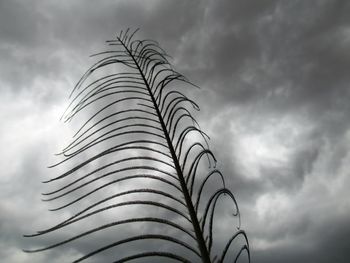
pixel 138 163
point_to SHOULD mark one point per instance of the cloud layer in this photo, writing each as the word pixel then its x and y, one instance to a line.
pixel 274 101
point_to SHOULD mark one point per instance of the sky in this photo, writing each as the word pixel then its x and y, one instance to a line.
pixel 274 100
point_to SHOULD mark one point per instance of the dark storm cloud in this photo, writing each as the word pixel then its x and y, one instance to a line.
pixel 267 55
pixel 274 99
pixel 293 61
pixel 330 248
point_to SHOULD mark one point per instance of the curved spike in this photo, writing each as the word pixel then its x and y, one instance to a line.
pixel 145 105
pixel 108 184
pixel 109 151
pixel 203 184
pixel 185 132
pixel 125 37
pixel 134 50
pixel 178 100
pixel 214 198
pixel 100 139
pixel 135 238
pixel 154 73
pixel 119 222
pixel 195 162
pixel 183 165
pixel 106 82
pixel 173 75
pixel 84 77
pixel 170 119
pixel 144 45
pixel 76 217
pixel 108 165
pixel 122 222
pixel 105 95
pixel 193 171
pixel 137 176
pixel 127 203
pixel 99 64
pixel 173 110
pixel 113 76
pixel 170 75
pixel 110 116
pixel 152 65
pixel 77 141
pixel 107 106
pixel 155 44
pixel 127 240
pixel 113 84
pixel 131 36
pixel 183 115
pixel 108 52
pixel 145 55
pixel 153 254
pixel 169 93
pixel 228 244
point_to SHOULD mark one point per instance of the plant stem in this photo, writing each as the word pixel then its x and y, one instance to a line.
pixel 198 232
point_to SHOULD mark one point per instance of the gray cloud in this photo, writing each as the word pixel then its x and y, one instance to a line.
pixel 274 100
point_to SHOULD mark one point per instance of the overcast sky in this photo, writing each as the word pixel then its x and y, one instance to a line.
pixel 274 99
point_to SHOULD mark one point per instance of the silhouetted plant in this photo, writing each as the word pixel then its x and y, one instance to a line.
pixel 140 146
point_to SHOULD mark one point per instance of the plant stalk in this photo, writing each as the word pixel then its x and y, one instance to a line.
pixel 197 229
